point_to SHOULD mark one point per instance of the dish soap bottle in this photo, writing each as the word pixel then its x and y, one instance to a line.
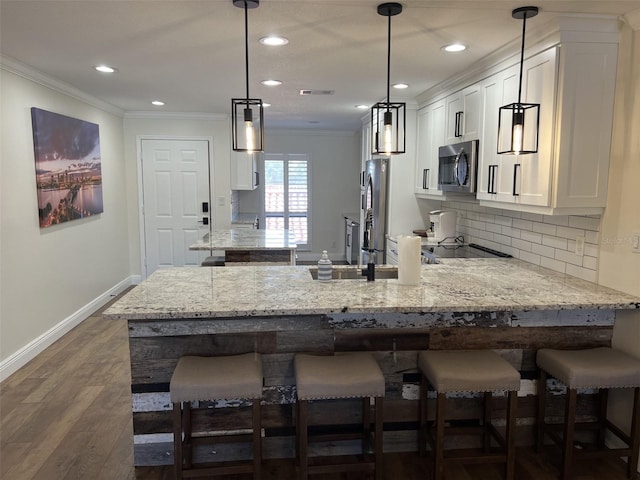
pixel 324 267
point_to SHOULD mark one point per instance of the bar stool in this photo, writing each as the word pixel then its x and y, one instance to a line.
pixel 214 378
pixel 344 375
pixel 600 368
pixel 449 371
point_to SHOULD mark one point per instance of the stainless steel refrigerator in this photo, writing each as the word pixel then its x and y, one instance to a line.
pixel 375 197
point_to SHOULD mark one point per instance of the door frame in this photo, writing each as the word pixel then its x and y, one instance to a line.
pixel 141 222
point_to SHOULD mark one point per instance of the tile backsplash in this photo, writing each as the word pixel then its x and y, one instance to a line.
pixel 549 241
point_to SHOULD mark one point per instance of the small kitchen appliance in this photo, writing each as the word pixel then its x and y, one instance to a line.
pixel 443 224
pixel 457 167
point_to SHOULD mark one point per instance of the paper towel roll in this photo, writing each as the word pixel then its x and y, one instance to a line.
pixel 409 264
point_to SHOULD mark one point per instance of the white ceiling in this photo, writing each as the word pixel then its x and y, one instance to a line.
pixel 190 54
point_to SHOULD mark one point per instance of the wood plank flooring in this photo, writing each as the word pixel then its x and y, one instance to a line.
pixel 67 415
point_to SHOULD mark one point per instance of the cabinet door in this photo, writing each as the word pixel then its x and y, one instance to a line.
pixel 438 127
pixel 454 120
pixel 471 113
pixel 430 137
pixel 488 161
pixel 244 172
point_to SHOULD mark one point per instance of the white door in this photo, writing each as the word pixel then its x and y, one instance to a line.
pixel 175 179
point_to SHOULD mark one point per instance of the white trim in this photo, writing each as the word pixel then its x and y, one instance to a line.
pixel 310 132
pixel 139 140
pixel 633 19
pixel 176 115
pixel 27 353
pixel 25 71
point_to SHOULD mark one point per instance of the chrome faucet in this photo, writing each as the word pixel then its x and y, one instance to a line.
pixel 370 271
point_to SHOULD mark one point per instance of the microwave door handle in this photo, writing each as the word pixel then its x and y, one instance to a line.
pixel 456 167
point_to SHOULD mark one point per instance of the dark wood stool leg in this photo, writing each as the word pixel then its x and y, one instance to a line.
pixel 423 412
pixel 509 439
pixel 486 421
pixel 302 440
pixel 602 417
pixel 177 439
pixel 569 427
pixel 257 438
pixel 379 439
pixel 366 427
pixel 186 426
pixel 632 465
pixel 439 441
pixel 542 403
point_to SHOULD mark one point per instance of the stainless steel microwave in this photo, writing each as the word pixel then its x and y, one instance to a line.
pixel 458 166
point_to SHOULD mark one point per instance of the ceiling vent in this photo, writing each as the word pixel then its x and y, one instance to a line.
pixel 317 92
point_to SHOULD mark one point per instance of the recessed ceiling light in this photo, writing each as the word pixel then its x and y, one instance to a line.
pixel 271 83
pixel 273 41
pixel 401 86
pixel 157 103
pixel 105 69
pixel 264 104
pixel 362 107
pixel 454 47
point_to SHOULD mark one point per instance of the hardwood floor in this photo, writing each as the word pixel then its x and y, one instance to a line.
pixel 67 415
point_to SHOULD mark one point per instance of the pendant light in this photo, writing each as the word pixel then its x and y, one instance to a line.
pixel 388 119
pixel 518 123
pixel 247 115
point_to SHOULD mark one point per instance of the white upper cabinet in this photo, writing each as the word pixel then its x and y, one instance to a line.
pixel 429 137
pixel 574 85
pixel 463 115
pixel 244 171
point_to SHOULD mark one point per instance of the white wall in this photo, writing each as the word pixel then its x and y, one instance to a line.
pixel 619 268
pixel 141 125
pixel 50 275
pixel 335 188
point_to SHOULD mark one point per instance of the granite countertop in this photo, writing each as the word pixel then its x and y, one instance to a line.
pixel 245 218
pixel 246 239
pixel 458 285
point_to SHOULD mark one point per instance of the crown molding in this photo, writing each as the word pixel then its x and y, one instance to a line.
pixel 25 71
pixel 176 115
pixel 310 132
pixel 633 19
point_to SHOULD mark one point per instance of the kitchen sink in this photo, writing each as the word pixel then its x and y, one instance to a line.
pixel 354 272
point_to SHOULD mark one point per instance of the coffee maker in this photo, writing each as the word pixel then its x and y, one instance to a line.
pixel 443 225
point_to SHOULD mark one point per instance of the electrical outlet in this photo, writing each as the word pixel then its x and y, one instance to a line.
pixel 635 242
pixel 580 246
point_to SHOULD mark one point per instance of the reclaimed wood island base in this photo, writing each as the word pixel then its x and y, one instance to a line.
pixel 506 305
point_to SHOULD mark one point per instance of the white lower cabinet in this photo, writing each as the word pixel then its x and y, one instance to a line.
pixel 574 85
pixel 244 171
pixel 430 137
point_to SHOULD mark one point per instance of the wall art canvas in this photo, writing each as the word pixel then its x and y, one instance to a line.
pixel 68 167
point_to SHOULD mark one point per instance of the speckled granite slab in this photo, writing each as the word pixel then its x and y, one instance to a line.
pixel 246 239
pixel 465 285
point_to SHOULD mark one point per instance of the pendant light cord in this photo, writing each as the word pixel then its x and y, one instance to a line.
pixel 246 48
pixel 389 61
pixel 524 28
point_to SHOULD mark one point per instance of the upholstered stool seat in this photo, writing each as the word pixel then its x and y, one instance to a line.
pixel 451 371
pixel 198 379
pixel 597 368
pixel 213 261
pixel 344 375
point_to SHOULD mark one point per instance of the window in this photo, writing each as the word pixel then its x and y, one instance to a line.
pixel 286 195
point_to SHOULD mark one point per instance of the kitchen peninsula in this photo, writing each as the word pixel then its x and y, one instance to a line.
pixel 507 305
pixel 242 245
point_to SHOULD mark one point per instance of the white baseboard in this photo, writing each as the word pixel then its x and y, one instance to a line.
pixel 27 353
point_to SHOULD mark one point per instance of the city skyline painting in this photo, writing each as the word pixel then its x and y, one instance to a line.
pixel 68 167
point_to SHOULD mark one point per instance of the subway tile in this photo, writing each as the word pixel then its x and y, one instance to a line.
pixel 486 217
pixel 587 223
pixel 534 217
pixel 554 242
pixel 522 224
pixel 492 227
pixel 477 225
pixel 568 257
pixel 502 220
pixel 544 228
pixel 511 232
pixel 557 220
pixel 591 250
pixel 543 250
pixel 571 233
pixel 592 237
pixel 511 213
pixel 590 263
pixel 531 236
pixel 520 244
pixel 583 273
pixel 502 239
pixel 553 264
pixel 483 234
pixel 530 257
